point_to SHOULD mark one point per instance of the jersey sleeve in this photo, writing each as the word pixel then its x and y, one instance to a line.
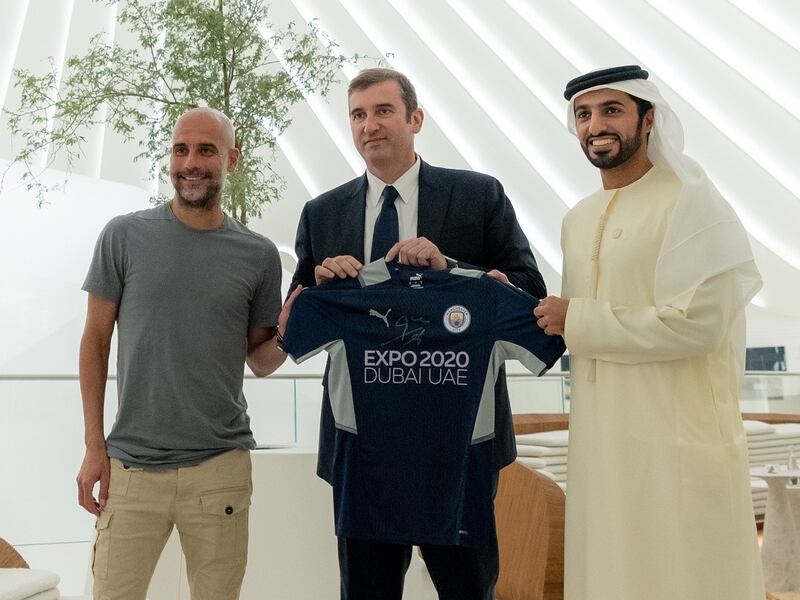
pixel 313 324
pixel 517 333
pixel 106 276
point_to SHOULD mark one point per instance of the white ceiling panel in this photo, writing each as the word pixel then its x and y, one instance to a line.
pixel 490 76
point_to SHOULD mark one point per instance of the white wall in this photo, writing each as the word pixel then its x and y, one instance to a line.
pixel 490 76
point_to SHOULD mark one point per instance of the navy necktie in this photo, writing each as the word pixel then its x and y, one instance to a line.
pixel 387 228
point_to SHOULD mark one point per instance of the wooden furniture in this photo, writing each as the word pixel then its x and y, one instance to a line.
pixel 529 509
pixel 10 558
pixel 771 418
pixel 536 423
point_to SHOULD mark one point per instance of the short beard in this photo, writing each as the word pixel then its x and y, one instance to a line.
pixel 627 148
pixel 205 202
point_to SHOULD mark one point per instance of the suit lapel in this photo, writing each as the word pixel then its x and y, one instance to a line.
pixel 434 199
pixel 351 219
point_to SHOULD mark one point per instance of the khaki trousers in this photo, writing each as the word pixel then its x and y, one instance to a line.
pixel 208 503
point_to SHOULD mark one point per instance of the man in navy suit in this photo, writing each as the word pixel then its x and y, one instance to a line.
pixel 405 209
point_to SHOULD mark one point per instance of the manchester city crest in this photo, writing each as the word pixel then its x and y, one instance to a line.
pixel 456 319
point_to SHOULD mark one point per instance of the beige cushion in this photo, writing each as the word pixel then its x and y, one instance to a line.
pixel 550 439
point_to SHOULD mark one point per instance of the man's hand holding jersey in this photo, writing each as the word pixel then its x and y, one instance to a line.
pixel 421 252
pixel 498 275
pixel 286 310
pixel 551 314
pixel 340 267
pixel 417 252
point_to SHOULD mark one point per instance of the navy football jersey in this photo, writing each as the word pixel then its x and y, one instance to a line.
pixel 414 358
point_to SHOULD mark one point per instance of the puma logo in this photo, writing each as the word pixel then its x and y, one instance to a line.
pixel 384 318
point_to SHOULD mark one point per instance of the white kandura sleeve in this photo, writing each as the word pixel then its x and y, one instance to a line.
pixel 636 334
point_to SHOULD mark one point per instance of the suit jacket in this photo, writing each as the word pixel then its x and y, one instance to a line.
pixel 467 215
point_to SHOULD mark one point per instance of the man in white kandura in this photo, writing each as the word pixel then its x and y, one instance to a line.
pixel 657 273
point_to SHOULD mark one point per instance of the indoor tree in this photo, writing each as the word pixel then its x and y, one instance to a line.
pixel 219 53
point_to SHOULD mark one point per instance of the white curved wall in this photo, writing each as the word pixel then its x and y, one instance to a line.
pixel 489 76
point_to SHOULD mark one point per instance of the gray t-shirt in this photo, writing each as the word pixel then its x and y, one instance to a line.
pixel 186 300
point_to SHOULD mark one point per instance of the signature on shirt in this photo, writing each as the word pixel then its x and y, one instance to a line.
pixel 409 333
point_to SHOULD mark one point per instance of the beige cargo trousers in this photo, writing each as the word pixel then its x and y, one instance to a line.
pixel 208 503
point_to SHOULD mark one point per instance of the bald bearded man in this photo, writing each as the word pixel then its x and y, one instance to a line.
pixel 194 294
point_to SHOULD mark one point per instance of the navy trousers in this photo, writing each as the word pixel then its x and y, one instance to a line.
pixel 372 570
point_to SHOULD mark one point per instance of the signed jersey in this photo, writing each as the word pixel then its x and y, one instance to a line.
pixel 414 357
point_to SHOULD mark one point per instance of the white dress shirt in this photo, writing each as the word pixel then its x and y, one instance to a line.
pixel 407 186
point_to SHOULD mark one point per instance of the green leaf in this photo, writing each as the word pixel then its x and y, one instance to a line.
pixel 191 53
